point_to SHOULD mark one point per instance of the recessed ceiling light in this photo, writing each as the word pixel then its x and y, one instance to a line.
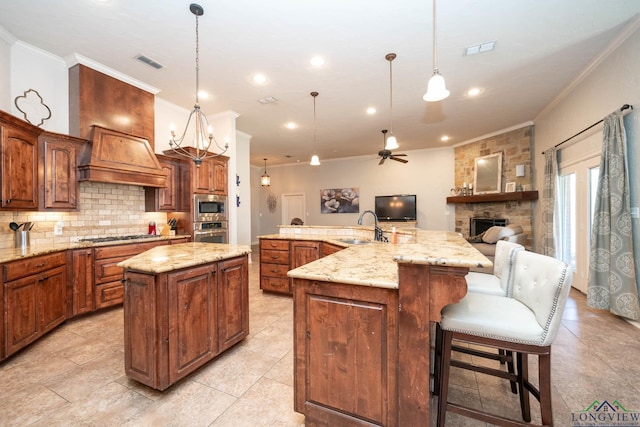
pixel 371 111
pixel 317 61
pixel 259 79
pixel 203 94
pixel 474 91
pixel 291 125
pixel 444 138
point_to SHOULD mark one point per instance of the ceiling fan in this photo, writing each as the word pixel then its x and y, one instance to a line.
pixel 387 154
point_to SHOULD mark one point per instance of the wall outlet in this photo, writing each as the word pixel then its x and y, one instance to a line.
pixel 57 229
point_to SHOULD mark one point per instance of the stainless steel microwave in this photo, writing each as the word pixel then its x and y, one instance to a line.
pixel 209 207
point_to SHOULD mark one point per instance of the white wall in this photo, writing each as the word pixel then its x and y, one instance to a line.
pixel 243 169
pixel 6 39
pixel 33 68
pixel 429 174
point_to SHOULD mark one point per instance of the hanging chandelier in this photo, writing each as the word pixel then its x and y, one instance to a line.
pixel 265 179
pixel 202 132
pixel 392 142
pixel 436 89
pixel 315 160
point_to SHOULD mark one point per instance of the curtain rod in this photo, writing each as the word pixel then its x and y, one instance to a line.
pixel 624 107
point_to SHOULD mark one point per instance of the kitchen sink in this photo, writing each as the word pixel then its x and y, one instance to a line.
pixel 355 241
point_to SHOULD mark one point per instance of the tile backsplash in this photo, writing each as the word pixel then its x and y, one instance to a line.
pixel 105 210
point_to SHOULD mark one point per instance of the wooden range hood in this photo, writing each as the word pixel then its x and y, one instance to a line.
pixel 118 157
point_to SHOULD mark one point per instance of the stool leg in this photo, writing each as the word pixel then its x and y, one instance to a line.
pixel 544 376
pixel 437 356
pixel 523 378
pixel 445 364
pixel 510 368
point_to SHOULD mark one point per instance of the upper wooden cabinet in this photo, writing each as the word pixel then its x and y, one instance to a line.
pixel 18 163
pixel 211 176
pixel 59 156
pixel 171 197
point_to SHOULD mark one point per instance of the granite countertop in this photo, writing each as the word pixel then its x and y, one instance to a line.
pixel 162 259
pixel 13 254
pixel 375 264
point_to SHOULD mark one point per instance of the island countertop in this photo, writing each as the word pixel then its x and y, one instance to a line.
pixel 163 259
pixel 375 264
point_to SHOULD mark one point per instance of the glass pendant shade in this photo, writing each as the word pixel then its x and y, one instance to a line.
pixel 315 160
pixel 265 179
pixel 436 88
pixel 392 143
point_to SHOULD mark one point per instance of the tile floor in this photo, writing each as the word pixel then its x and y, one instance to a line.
pixel 75 375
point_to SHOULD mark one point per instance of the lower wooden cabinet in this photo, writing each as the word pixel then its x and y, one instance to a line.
pixel 81 281
pixel 176 322
pixel 35 299
pixel 109 277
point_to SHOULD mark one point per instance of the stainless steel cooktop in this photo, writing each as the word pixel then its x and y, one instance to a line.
pixel 116 238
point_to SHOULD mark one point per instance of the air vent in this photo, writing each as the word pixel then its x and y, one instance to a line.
pixel 149 61
pixel 480 48
pixel 267 100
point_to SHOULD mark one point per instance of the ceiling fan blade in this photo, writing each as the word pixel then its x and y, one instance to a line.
pixel 399 160
pixel 399 154
pixel 381 161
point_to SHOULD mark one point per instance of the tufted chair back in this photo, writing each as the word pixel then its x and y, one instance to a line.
pixel 503 262
pixel 542 284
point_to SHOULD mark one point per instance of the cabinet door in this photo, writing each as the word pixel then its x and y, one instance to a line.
pixel 203 177
pixel 233 302
pixel 192 317
pixel 19 167
pixel 184 188
pixel 60 180
pixel 21 319
pixel 82 281
pixel 220 177
pixel 167 196
pixel 52 298
pixel 328 249
pixel 303 252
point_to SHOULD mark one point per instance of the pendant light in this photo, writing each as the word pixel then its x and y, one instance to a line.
pixel 203 134
pixel 265 179
pixel 315 160
pixel 392 143
pixel 436 89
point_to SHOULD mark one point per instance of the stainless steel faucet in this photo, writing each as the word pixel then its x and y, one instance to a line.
pixel 377 230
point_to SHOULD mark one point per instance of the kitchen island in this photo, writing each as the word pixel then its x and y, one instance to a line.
pixel 362 320
pixel 183 305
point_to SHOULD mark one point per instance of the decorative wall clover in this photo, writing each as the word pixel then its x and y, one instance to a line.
pixel 32 106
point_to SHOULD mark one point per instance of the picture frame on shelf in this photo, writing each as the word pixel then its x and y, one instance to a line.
pixel 510 187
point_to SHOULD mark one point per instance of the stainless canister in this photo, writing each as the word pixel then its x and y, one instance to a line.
pixel 21 238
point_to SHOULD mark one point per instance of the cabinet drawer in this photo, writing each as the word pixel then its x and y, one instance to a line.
pixel 275 257
pixel 109 294
pixel 274 270
pixel 34 265
pixel 274 284
pixel 126 250
pixel 278 245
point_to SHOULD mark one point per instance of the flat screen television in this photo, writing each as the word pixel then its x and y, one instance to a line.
pixel 400 207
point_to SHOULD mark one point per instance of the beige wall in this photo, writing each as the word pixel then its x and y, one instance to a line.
pixel 429 175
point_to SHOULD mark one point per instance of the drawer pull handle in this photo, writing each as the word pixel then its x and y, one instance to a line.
pixel 42 264
pixel 273 270
pixel 274 257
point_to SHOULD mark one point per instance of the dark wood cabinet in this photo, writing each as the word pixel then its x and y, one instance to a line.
pixel 274 264
pixel 211 176
pixel 304 252
pixel 329 248
pixel 174 196
pixel 108 277
pixel 233 302
pixel 35 299
pixel 345 353
pixel 18 163
pixel 81 281
pixel 175 322
pixel 59 155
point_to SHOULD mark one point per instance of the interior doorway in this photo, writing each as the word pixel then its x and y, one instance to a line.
pixel 293 206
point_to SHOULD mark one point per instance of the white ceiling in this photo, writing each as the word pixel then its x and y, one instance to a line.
pixel 541 47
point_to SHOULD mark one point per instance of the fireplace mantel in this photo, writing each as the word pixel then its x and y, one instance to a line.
pixel 495 197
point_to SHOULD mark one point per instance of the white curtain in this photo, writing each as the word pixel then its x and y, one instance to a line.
pixel 612 281
pixel 549 211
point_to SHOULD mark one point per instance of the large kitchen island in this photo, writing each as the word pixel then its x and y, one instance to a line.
pixel 362 321
pixel 183 305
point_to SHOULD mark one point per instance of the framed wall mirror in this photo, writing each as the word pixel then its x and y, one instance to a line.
pixel 488 174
